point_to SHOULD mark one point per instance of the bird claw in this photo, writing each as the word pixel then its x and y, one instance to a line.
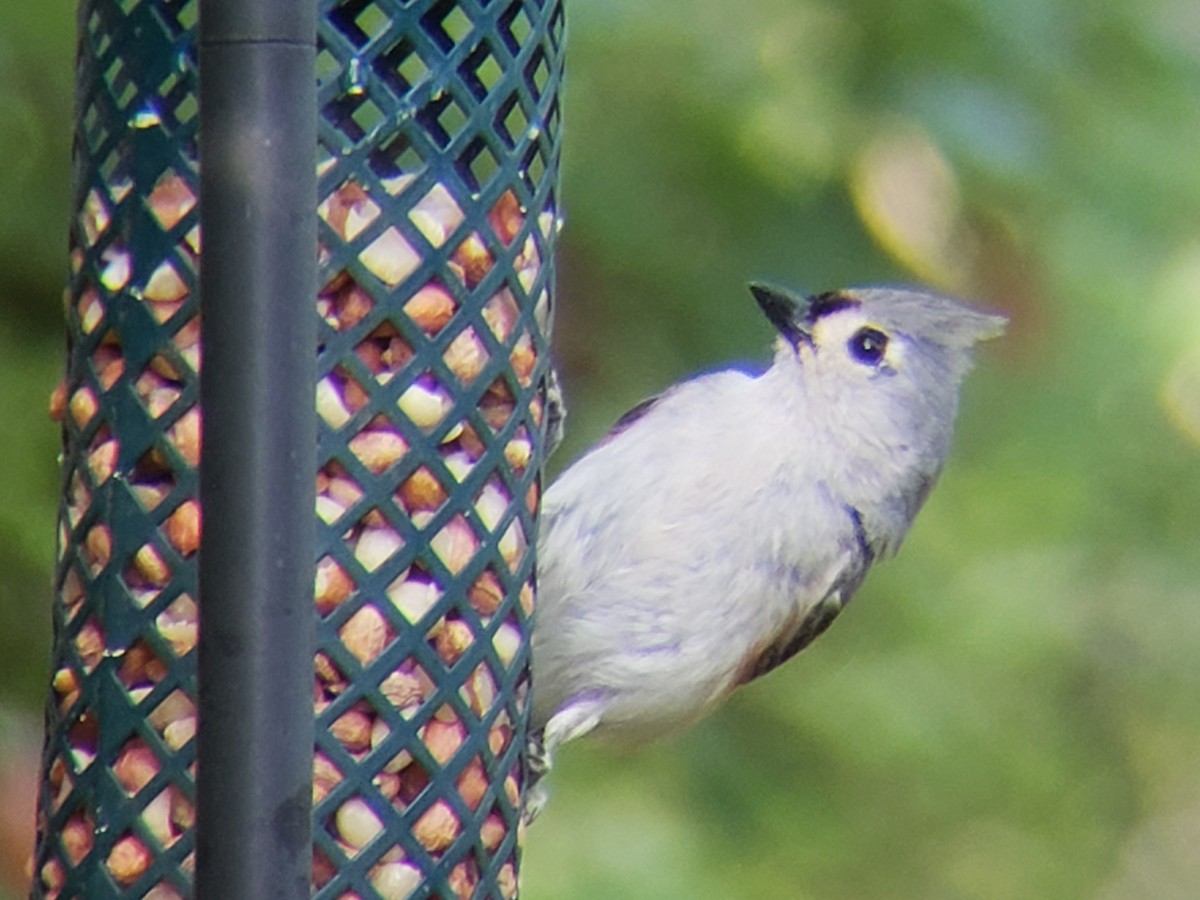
pixel 537 764
pixel 556 412
pixel 574 720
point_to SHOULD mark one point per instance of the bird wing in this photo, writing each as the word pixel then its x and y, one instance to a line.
pixel 779 651
pixel 814 622
pixel 640 410
pixel 632 415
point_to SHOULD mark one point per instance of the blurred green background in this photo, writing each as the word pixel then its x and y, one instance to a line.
pixel 1010 709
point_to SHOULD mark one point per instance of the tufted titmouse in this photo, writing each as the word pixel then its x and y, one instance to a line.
pixel 722 526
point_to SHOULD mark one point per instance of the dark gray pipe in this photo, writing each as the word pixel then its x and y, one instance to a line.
pixel 258 282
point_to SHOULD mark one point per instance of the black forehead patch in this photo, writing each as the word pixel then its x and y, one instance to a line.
pixel 830 302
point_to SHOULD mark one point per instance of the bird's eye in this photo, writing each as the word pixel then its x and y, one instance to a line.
pixel 868 345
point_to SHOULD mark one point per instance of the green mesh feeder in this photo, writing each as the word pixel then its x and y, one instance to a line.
pixel 437 160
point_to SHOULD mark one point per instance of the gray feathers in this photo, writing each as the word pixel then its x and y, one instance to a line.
pixel 721 527
pixel 927 316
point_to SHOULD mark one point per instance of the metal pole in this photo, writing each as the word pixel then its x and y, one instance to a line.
pixel 258 285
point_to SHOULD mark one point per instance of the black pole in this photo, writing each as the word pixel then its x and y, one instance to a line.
pixel 258 200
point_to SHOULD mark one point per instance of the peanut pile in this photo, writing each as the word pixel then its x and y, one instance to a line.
pixel 165 388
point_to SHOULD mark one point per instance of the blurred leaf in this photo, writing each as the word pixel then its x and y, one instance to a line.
pixel 1008 709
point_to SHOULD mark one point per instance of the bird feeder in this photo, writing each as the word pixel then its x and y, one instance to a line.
pixel 437 177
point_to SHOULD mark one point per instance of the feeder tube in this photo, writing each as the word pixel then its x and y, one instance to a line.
pixel 258 201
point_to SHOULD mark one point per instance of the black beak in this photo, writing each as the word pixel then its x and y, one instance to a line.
pixel 787 312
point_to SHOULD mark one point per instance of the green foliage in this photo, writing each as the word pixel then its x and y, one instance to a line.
pixel 1009 708
pixel 35 124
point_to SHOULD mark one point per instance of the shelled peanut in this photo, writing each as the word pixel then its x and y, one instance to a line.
pixel 350 401
pixel 413 598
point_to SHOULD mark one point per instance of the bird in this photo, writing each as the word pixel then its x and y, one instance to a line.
pixel 722 525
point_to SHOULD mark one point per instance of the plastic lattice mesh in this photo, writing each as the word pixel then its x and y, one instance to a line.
pixel 117 803
pixel 437 124
pixel 438 137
